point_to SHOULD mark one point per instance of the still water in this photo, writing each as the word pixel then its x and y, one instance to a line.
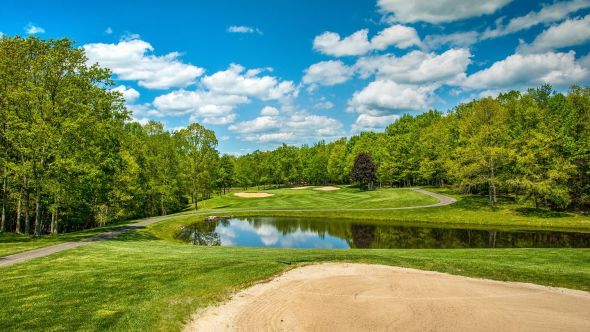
pixel 283 232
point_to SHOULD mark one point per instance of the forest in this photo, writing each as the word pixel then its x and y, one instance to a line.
pixel 71 157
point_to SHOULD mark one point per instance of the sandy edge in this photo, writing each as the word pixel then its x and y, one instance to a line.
pixel 253 195
pixel 222 313
pixel 327 188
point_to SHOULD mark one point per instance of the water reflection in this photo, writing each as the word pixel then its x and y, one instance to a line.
pixel 310 233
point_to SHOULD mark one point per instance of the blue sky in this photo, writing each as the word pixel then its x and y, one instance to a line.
pixel 261 73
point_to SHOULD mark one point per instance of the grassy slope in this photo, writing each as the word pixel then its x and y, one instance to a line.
pixel 469 211
pixel 138 282
pixel 309 199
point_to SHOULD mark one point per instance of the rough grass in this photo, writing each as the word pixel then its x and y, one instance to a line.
pixel 139 282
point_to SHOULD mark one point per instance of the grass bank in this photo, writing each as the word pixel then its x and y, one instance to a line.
pixel 140 282
pixel 469 210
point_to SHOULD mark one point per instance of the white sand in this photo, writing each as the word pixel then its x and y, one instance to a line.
pixel 327 188
pixel 361 297
pixel 253 195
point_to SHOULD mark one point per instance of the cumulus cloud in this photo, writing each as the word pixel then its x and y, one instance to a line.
pixel 386 97
pixel 526 70
pixel 439 11
pixel 129 94
pixel 108 31
pixel 33 29
pixel 366 122
pixel 549 13
pixel 211 107
pixel 330 43
pixel 287 127
pixel 327 73
pixel 323 104
pixel 243 29
pixel 269 111
pixel 457 39
pixel 132 60
pixel 235 81
pixel 568 33
pixel 417 66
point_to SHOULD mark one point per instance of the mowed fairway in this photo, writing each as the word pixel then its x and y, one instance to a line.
pixel 139 282
pixel 310 199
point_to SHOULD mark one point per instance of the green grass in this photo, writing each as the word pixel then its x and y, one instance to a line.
pixel 469 211
pixel 309 199
pixel 11 243
pixel 139 282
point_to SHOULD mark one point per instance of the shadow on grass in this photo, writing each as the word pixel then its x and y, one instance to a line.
pixel 541 213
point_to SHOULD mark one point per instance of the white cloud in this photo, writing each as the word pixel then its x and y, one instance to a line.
pixel 291 127
pixel 131 60
pixel 211 107
pixel 234 81
pixel 526 70
pixel 33 29
pixel 366 122
pixel 568 33
pixel 243 29
pixel 457 39
pixel 548 14
pixel 269 111
pixel 417 66
pixel 358 43
pixel 327 73
pixel 108 31
pixel 323 105
pixel 386 97
pixel 439 11
pixel 130 94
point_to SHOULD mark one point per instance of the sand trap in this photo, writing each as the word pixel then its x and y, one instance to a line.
pixel 253 195
pixel 328 188
pixel 358 297
pixel 301 188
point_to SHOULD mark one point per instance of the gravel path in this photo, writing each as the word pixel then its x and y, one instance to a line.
pixel 46 251
pixel 361 297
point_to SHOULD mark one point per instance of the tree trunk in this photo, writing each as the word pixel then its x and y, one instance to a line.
pixel 52 225
pixel 27 217
pixel 18 207
pixel 37 229
pixel 162 208
pixel 4 196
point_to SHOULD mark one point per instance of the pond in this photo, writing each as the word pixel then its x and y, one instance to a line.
pixel 281 232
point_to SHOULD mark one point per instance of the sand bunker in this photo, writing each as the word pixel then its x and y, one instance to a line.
pixel 300 188
pixel 253 195
pixel 359 297
pixel 328 188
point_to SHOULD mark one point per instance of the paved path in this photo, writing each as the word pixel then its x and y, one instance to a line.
pixel 46 251
pixel 359 297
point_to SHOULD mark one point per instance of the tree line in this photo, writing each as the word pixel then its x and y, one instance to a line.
pixel 71 158
pixel 534 146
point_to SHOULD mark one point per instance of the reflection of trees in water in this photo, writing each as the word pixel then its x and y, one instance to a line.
pixel 362 235
pixel 367 235
pixel 202 234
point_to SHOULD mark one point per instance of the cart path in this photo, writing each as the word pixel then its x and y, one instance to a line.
pixel 46 251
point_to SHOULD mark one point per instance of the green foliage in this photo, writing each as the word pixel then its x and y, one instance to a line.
pixel 70 158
